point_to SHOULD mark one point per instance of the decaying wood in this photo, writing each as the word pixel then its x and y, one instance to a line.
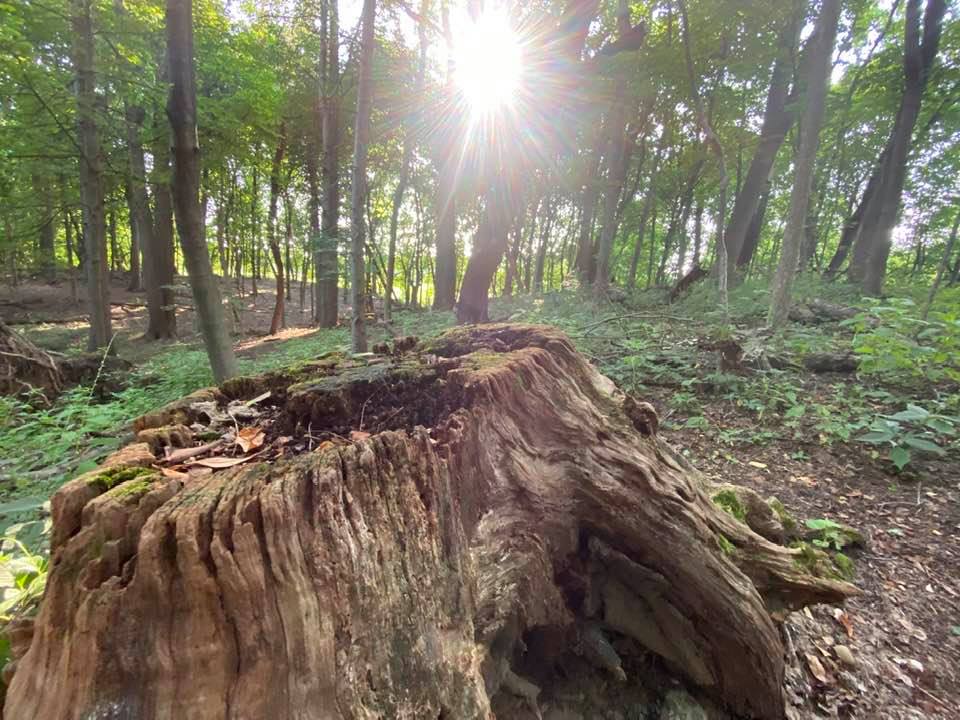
pixel 24 367
pixel 503 494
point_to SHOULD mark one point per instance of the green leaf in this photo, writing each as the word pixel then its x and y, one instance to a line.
pixel 821 524
pixel 918 443
pixel 911 414
pixel 955 629
pixel 941 426
pixel 877 437
pixel 900 457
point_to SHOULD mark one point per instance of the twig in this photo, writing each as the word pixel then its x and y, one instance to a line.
pixel 628 316
pixel 178 456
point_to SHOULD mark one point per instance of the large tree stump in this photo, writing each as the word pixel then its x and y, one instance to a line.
pixel 508 493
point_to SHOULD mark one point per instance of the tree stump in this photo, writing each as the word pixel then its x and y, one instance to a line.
pixel 500 491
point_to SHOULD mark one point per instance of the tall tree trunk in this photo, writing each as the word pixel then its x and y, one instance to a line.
pixel 288 242
pixel 778 117
pixel 91 177
pixel 161 316
pixel 358 192
pixel 255 229
pixel 589 197
pixel 182 112
pixel 445 202
pixel 162 263
pixel 48 228
pixel 135 284
pixel 547 225
pixel 407 157
pixel 327 271
pixel 648 202
pixel 713 143
pixel 278 320
pixel 872 245
pixel 817 75
pixel 620 147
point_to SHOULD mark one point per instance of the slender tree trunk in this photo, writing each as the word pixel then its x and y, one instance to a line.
pixel 944 265
pixel 135 282
pixel 277 321
pixel 404 179
pixel 590 196
pixel 48 229
pixel 548 214
pixel 91 177
pixel 358 193
pixel 327 271
pixel 182 111
pixel 288 242
pixel 817 72
pixel 445 274
pixel 648 202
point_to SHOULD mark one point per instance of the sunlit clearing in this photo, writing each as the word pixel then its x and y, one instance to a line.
pixel 488 62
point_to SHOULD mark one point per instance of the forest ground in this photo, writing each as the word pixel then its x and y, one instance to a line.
pixel 787 433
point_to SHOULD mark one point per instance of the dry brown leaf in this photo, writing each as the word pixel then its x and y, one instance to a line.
pixel 219 462
pixel 816 668
pixel 358 435
pixel 173 474
pixel 844 620
pixel 250 438
pixel 758 465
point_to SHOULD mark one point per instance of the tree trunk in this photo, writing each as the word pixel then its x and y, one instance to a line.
pixel 407 158
pixel 135 284
pixel 619 149
pixel 25 368
pixel 358 192
pixel 817 74
pixel 327 272
pixel 872 242
pixel 161 315
pixel 91 177
pixel 944 264
pixel 471 539
pixel 277 321
pixel 163 267
pixel 48 229
pixel 777 119
pixel 648 202
pixel 182 112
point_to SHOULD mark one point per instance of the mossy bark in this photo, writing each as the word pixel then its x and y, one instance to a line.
pixel 503 495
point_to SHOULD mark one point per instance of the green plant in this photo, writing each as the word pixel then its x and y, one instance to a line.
pixel 912 430
pixel 895 343
pixel 23 578
pixel 828 534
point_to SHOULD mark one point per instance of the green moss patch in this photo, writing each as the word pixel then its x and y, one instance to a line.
pixel 728 500
pixel 113 477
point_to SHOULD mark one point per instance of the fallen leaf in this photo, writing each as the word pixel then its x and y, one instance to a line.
pixel 844 621
pixel 173 474
pixel 358 435
pixel 250 438
pixel 760 465
pixel 845 655
pixel 816 668
pixel 219 462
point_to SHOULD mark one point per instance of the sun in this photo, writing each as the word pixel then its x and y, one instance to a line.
pixel 488 62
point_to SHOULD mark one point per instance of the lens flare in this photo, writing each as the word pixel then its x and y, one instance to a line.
pixel 488 61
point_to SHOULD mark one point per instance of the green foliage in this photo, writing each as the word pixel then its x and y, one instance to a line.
pixel 23 578
pixel 897 345
pixel 914 429
pixel 828 534
pixel 726 547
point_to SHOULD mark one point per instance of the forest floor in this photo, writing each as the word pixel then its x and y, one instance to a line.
pixel 890 653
